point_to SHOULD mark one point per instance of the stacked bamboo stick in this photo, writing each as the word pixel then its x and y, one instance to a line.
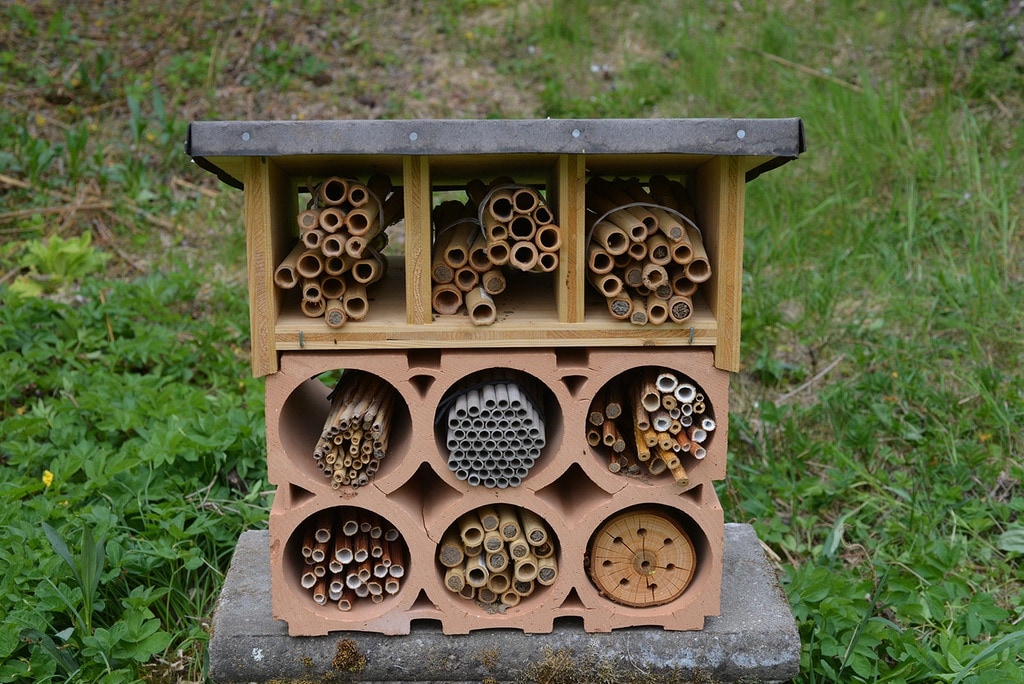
pixel 339 252
pixel 501 226
pixel 645 254
pixel 356 430
pixel 497 555
pixel 494 432
pixel 350 555
pixel 654 418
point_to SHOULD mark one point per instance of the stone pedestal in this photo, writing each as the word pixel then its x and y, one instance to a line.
pixel 754 639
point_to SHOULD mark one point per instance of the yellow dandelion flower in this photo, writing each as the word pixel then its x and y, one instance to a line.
pixel 47 478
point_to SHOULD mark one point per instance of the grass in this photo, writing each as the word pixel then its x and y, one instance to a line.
pixel 875 437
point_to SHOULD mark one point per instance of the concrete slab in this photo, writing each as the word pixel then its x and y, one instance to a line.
pixel 755 639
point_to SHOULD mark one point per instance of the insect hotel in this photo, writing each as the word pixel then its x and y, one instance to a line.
pixel 497 359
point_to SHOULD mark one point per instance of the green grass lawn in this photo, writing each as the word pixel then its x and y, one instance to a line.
pixel 876 423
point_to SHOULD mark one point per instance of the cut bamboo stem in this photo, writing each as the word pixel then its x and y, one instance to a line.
pixel 481 307
pixel 286 275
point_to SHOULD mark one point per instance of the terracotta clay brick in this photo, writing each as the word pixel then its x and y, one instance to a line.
pixel 570 488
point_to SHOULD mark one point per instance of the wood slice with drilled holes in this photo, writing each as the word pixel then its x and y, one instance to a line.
pixel 642 558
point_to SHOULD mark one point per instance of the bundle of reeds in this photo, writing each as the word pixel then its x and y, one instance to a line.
pixel 494 431
pixel 350 555
pixel 645 254
pixel 339 251
pixel 655 418
pixel 500 226
pixel 497 555
pixel 356 430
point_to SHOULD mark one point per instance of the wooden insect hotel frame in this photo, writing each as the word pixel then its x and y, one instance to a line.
pixel 518 414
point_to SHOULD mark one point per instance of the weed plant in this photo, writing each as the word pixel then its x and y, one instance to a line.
pixel 875 431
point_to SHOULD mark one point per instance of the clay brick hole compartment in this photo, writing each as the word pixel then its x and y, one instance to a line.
pixel 341 430
pixel 496 427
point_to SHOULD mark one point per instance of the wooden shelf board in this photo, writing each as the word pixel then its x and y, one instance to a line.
pixel 527 317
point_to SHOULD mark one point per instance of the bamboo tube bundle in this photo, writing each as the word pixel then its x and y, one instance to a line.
pixel 494 432
pixel 356 430
pixel 644 237
pixel 517 223
pixel 335 564
pixel 657 418
pixel 341 236
pixel 509 562
pixel 500 225
pixel 462 274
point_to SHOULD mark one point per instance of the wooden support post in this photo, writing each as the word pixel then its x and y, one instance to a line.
pixel 718 197
pixel 270 208
pixel 416 179
pixel 568 192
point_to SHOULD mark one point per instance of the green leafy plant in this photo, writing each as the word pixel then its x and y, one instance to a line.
pixel 56 263
pixel 86 570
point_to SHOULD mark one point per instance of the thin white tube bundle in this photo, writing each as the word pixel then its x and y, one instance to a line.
pixel 494 433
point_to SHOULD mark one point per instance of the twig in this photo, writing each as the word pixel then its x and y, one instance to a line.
pixel 817 376
pixel 85 206
pixel 810 72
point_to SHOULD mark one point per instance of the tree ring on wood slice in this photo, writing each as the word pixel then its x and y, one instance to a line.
pixel 642 558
